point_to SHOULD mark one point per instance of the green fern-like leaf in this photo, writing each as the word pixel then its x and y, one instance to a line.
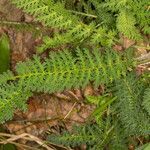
pixel 142 12
pixel 132 17
pixel 146 101
pixel 53 14
pixel 50 13
pixel 63 71
pixel 93 136
pixel 103 37
pixel 77 34
pixel 102 102
pixel 130 94
pixel 12 98
pixel 80 135
pixel 34 28
pixel 126 25
pixel 108 133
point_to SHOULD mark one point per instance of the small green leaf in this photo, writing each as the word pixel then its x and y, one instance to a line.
pixel 4 53
pixel 101 102
pixel 102 106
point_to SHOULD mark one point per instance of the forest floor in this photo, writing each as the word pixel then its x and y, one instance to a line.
pixel 46 113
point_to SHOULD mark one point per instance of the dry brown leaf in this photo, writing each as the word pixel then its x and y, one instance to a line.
pixel 46 111
pixel 88 91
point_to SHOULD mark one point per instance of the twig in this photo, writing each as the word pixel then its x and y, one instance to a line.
pixel 143 57
pixel 145 64
pixel 144 60
pixel 70 110
pixel 25 136
pixel 84 14
pixel 38 120
pixel 62 96
pixel 14 143
pixel 72 94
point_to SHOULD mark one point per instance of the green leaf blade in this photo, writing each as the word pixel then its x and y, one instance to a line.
pixel 4 53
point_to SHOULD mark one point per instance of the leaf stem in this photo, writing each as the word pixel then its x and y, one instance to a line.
pixel 84 14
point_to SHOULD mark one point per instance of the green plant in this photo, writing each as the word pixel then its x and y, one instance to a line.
pixel 102 102
pixel 122 119
pixel 131 15
pixel 90 135
pixel 36 29
pixel 60 72
pixel 130 105
pixel 95 137
pixel 91 27
pixel 146 101
pixel 76 26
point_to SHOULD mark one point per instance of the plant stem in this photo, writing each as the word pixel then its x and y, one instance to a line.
pixel 84 14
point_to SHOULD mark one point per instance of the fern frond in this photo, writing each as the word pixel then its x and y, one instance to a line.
pixel 132 16
pixel 129 92
pixel 12 98
pixel 104 17
pixel 103 37
pixel 116 5
pixel 62 71
pixel 126 25
pixel 50 13
pixel 92 135
pixel 146 100
pixel 53 14
pixel 142 12
pixel 119 140
pixel 88 134
pixel 77 34
pixel 86 65
pixel 6 76
pixel 22 26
